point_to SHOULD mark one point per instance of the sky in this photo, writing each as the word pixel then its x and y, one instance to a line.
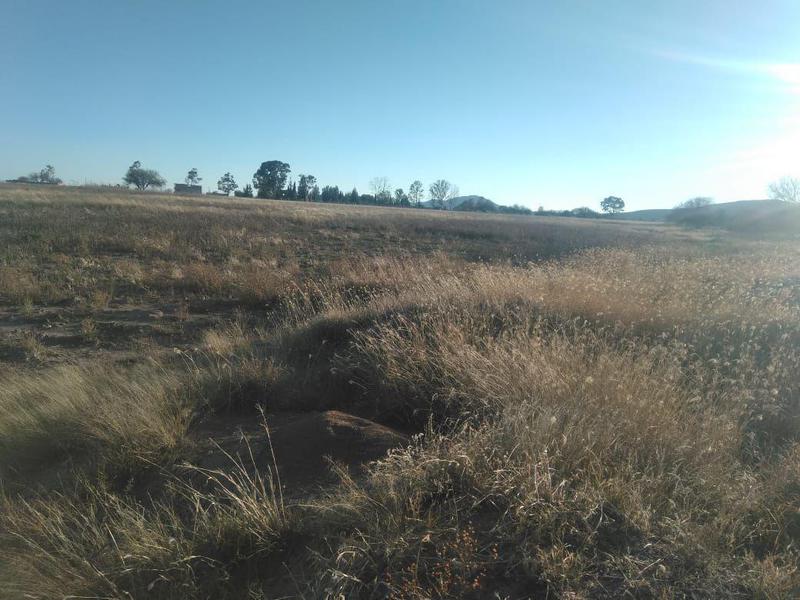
pixel 554 104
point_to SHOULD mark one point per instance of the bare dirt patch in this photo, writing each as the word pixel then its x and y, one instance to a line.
pixel 304 445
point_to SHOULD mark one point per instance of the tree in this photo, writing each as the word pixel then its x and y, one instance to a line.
pixel 46 175
pixel 612 205
pixel 143 178
pixel 381 190
pixel 227 184
pixel 270 178
pixel 246 192
pixel 290 193
pixel 584 212
pixel 415 192
pixel 353 197
pixel 696 202
pixel 401 198
pixel 331 193
pixel 192 178
pixel 516 209
pixel 379 185
pixel 786 189
pixel 441 191
pixel 305 187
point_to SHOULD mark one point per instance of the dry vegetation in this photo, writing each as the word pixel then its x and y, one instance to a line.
pixel 593 409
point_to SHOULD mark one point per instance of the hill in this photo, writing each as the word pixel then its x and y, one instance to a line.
pixel 468 203
pixel 744 216
pixel 472 203
pixel 477 204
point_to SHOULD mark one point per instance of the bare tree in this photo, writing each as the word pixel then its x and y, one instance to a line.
pixel 786 189
pixel 379 185
pixel 381 189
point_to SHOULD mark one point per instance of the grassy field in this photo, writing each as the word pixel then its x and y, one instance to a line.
pixel 210 398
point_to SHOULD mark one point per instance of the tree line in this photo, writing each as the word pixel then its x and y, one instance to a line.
pixel 47 175
pixel 272 181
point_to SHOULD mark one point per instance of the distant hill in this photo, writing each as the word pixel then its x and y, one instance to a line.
pixel 476 204
pixel 472 203
pixel 745 216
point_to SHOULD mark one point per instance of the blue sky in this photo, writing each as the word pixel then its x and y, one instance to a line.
pixel 538 103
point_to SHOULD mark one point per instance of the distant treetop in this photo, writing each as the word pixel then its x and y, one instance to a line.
pixel 226 184
pixel 192 177
pixel 441 191
pixel 696 202
pixel 46 175
pixel 270 178
pixel 612 205
pixel 143 178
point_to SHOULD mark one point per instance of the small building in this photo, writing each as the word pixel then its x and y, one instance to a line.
pixel 186 189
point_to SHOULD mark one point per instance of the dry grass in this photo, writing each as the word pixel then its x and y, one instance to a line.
pixel 182 547
pixel 601 410
pixel 59 244
pixel 115 418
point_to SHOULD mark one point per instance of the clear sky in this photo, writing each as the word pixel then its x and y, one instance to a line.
pixel 539 103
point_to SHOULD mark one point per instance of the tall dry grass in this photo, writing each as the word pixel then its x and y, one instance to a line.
pixel 98 544
pixel 113 417
pixel 595 417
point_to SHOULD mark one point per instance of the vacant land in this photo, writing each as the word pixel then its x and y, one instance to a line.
pixel 252 399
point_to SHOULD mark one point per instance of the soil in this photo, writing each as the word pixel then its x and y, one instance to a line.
pixel 72 334
pixel 302 446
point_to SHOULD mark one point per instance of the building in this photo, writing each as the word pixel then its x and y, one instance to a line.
pixel 192 190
